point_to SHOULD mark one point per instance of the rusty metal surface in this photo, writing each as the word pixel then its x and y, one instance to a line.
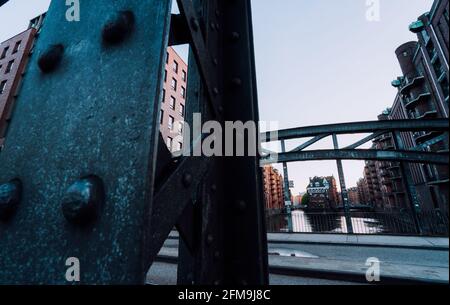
pixel 89 108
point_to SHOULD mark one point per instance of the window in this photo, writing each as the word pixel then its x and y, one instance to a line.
pixel 184 75
pixel 171 122
pixel 9 66
pixel 5 51
pixel 180 127
pixel 173 101
pixel 174 84
pixel 183 92
pixel 179 146
pixel 161 117
pixel 182 110
pixel 169 143
pixel 167 57
pixel 17 47
pixel 2 86
pixel 175 66
pixel 165 75
pixel 163 96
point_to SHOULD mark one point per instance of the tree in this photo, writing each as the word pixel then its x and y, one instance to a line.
pixel 305 199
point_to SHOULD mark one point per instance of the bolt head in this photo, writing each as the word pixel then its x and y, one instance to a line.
pixel 235 36
pixel 187 180
pixel 237 82
pixel 118 28
pixel 209 239
pixel 10 196
pixel 50 59
pixel 195 24
pixel 241 205
pixel 83 200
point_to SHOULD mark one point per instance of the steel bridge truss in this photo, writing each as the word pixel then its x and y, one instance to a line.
pixel 376 129
pixel 85 173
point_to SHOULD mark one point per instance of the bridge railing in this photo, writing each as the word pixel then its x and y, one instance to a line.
pixel 434 223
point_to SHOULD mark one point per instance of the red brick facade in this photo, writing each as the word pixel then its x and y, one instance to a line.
pixel 173 101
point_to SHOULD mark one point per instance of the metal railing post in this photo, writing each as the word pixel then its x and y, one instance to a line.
pixel 344 194
pixel 287 199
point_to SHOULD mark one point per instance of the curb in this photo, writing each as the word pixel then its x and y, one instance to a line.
pixel 330 275
pixel 290 242
pixel 350 244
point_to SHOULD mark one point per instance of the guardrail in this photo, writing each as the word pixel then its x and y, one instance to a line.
pixel 434 223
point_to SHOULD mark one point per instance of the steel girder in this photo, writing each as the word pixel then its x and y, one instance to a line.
pixel 376 130
pixel 85 173
pixel 358 127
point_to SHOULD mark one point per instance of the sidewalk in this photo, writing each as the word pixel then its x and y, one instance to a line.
pixel 412 242
pixel 342 270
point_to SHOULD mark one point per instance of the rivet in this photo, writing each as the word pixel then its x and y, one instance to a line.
pixel 195 24
pixel 237 82
pixel 50 59
pixel 217 12
pixel 220 109
pixel 214 188
pixel 187 180
pixel 212 25
pixel 116 30
pixel 217 255
pixel 241 205
pixel 83 200
pixel 209 239
pixel 216 91
pixel 217 283
pixel 215 62
pixel 10 196
pixel 235 36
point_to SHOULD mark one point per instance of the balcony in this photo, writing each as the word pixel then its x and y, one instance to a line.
pixel 416 26
pixel 423 137
pixel 412 103
pixel 411 84
pixel 428 115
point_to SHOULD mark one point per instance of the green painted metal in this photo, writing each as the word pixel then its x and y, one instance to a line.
pixel 94 113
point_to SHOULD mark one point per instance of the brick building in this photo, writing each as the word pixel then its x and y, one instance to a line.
pixel 322 193
pixel 353 195
pixel 173 101
pixel 423 93
pixel 14 56
pixel 363 191
pixel 273 188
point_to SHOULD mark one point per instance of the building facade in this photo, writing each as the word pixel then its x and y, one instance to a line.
pixel 353 195
pixel 423 93
pixel 173 101
pixel 323 193
pixel 273 188
pixel 14 56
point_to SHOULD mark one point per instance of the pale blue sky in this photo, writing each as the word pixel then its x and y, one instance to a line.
pixel 318 62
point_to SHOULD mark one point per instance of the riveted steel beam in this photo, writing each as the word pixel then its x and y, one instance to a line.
pixel 358 127
pixel 358 154
pixel 84 146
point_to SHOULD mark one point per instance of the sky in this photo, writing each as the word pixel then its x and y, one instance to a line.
pixel 318 62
